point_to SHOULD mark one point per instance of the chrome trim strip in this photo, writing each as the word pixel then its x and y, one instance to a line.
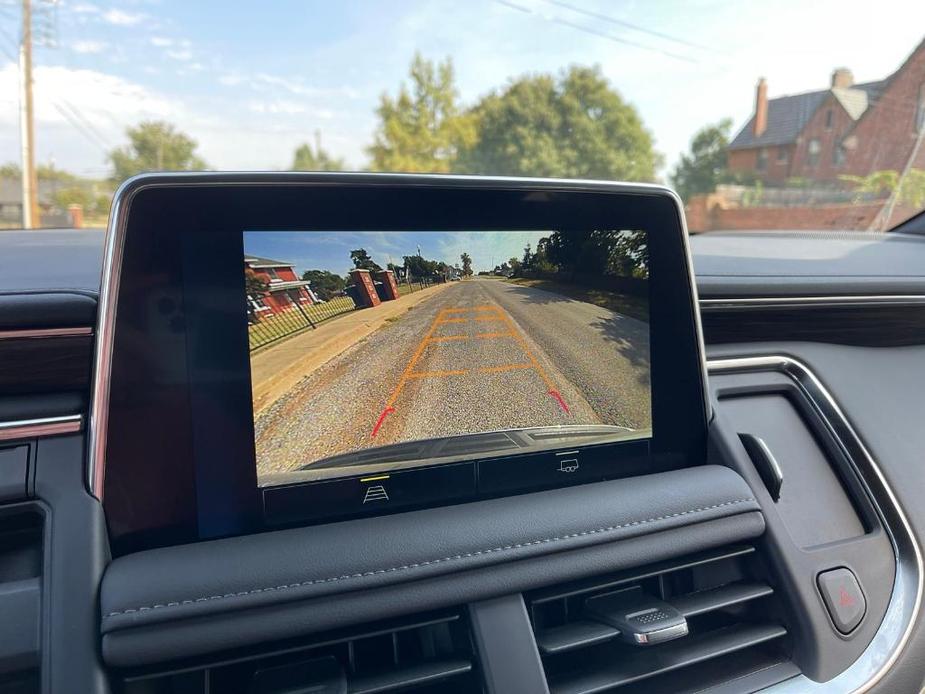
pixel 791 301
pixel 46 426
pixel 906 599
pixel 115 238
pixel 39 333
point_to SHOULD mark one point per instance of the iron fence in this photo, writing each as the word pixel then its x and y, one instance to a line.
pixel 265 327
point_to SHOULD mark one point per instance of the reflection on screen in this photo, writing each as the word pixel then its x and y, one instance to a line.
pixel 373 351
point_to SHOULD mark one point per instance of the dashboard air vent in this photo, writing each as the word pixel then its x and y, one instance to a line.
pixel 680 626
pixel 426 655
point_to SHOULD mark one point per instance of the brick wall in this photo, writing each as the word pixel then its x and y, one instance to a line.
pixel 778 165
pixel 828 125
pixel 701 217
pixel 885 135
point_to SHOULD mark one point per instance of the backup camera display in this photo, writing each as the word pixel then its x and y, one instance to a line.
pixel 372 352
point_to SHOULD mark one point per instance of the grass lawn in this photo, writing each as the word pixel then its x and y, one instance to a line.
pixel 633 306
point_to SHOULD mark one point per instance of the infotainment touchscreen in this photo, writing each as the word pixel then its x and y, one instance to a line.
pixel 296 349
pixel 377 352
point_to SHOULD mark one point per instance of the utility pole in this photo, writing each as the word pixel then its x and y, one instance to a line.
pixel 30 203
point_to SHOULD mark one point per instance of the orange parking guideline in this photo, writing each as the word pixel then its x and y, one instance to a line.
pixel 500 315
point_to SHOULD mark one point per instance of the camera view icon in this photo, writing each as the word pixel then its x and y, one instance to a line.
pixel 375 493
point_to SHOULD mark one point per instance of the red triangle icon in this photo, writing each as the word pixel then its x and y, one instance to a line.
pixel 845 599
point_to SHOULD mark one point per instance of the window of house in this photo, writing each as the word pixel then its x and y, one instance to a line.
pixel 828 119
pixel 812 151
pixel 782 155
pixel 762 162
pixel 838 154
pixel 271 271
pixel 920 110
pixel 257 303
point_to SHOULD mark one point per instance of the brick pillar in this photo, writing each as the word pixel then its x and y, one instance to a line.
pixel 387 277
pixel 365 286
pixel 76 213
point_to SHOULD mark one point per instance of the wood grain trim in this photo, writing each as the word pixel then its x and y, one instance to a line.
pixel 867 324
pixel 52 363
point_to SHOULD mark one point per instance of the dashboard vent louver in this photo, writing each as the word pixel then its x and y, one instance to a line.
pixel 425 655
pixel 734 628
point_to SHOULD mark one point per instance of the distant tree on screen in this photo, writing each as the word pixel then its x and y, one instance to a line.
pixel 527 261
pixel 422 128
pixel 466 261
pixel 307 158
pixel 254 284
pixel 154 146
pixel 704 167
pixel 324 283
pixel 362 261
pixel 574 125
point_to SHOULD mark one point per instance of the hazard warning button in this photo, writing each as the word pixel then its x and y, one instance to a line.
pixel 843 598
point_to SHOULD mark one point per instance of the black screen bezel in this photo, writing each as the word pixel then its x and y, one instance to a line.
pixel 176 427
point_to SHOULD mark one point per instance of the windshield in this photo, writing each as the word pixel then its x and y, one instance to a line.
pixel 799 116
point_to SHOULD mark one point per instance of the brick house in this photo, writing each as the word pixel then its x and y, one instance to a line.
pixel 284 291
pixel 847 128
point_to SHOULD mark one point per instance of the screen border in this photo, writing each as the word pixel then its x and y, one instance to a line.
pixel 158 209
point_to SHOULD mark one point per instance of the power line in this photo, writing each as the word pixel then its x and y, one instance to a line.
pixel 81 129
pixel 86 122
pixel 595 32
pixel 628 25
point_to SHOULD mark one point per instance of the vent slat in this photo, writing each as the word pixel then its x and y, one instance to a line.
pixel 694 604
pixel 646 663
pixel 576 634
pixel 426 673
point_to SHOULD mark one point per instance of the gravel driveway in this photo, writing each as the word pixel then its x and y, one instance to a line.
pixel 479 356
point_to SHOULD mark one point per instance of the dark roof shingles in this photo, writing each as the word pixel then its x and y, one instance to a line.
pixel 788 115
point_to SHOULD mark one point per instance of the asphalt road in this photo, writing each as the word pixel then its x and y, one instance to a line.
pixel 481 355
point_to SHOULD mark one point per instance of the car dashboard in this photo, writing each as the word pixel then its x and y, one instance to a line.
pixel 791 554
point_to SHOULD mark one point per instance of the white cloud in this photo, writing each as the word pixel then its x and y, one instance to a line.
pixel 121 18
pixel 231 79
pixel 89 46
pixel 161 41
pixel 288 108
pixel 182 54
pixel 84 8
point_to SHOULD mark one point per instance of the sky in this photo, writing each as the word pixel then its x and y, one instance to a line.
pixel 331 250
pixel 251 81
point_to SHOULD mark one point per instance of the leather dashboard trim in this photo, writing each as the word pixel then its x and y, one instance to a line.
pixel 522 537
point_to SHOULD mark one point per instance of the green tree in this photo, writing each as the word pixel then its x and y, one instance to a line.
pixel 75 195
pixel 47 172
pixel 10 170
pixel 362 261
pixel 325 284
pixel 527 262
pixel 705 166
pixel 308 159
pixel 154 146
pixel 466 261
pixel 422 129
pixel 573 126
pixel 419 266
